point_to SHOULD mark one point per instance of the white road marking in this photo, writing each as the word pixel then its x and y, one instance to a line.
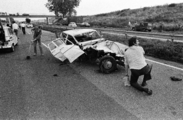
pixel 45 45
pixel 165 64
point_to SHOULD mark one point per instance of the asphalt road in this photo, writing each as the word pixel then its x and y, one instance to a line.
pixel 44 89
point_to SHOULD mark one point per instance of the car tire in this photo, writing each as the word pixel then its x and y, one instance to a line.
pixel 107 64
pixel 12 49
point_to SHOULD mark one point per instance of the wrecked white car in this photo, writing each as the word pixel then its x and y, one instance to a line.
pixel 88 44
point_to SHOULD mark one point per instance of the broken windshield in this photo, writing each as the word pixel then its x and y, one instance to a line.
pixel 87 36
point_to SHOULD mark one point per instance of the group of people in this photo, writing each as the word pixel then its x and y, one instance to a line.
pixel 37 32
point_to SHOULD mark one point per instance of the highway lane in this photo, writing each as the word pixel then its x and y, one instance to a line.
pixel 41 88
pixel 166 103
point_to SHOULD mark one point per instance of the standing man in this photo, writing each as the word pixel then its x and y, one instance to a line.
pixel 37 39
pixel 15 28
pixel 135 61
pixel 23 28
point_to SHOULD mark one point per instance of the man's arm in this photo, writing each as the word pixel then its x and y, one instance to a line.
pixel 126 66
pixel 39 36
pixel 126 70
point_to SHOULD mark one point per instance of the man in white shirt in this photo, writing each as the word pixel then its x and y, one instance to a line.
pixel 135 61
pixel 15 28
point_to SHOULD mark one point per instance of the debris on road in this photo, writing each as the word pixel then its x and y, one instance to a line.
pixel 173 78
pixel 126 81
pixel 55 75
pixel 28 57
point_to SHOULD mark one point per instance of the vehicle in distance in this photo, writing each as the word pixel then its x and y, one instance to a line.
pixel 84 24
pixel 25 14
pixel 88 45
pixel 144 27
pixel 8 39
pixel 72 24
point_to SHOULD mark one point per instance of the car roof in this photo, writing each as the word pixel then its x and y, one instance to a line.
pixel 78 31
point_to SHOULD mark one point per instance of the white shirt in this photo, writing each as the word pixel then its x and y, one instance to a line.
pixel 134 57
pixel 15 26
pixel 23 25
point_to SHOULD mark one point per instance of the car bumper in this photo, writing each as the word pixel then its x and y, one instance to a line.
pixel 4 47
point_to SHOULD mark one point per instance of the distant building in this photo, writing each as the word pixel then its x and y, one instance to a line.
pixel 3 13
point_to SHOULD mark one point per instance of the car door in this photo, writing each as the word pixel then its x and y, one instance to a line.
pixel 56 51
pixel 62 51
pixel 13 37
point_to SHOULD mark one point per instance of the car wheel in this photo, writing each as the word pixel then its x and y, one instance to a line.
pixel 107 64
pixel 12 49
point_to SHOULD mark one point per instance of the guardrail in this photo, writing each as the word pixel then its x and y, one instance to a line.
pixel 147 34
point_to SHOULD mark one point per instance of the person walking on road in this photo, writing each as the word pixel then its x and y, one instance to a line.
pixel 15 28
pixel 37 32
pixel 23 28
pixel 135 61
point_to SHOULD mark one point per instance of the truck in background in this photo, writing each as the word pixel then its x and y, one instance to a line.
pixel 143 26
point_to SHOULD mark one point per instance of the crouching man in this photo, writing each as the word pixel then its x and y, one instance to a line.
pixel 135 61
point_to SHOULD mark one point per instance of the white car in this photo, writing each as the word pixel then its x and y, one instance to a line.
pixel 85 24
pixel 88 44
pixel 10 39
pixel 72 24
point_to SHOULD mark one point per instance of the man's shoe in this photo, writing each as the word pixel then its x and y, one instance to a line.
pixel 173 78
pixel 148 91
pixel 144 84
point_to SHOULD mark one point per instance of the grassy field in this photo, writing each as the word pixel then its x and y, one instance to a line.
pixel 169 16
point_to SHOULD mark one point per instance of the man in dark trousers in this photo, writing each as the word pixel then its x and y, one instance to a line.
pixel 15 28
pixel 23 28
pixel 37 39
pixel 136 62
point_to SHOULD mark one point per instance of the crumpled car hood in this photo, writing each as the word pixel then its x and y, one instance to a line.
pixel 111 47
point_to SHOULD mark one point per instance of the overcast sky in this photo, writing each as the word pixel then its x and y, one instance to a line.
pixel 86 7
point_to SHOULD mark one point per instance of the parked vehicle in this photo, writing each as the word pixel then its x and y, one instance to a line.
pixel 85 24
pixel 10 40
pixel 88 44
pixel 72 24
pixel 145 27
